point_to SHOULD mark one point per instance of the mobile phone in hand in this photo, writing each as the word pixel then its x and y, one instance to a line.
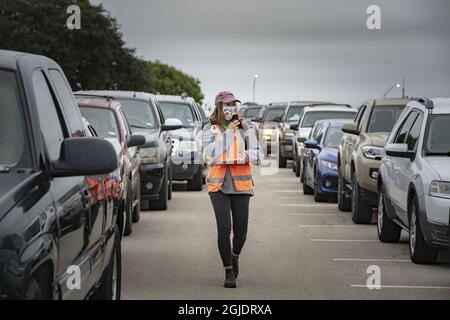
pixel 236 117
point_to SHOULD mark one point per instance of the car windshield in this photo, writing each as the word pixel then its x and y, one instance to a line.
pixel 293 114
pixel 140 114
pixel 249 113
pixel 437 139
pixel 178 110
pixel 103 121
pixel 311 117
pixel 274 114
pixel 383 118
pixel 13 142
pixel 333 137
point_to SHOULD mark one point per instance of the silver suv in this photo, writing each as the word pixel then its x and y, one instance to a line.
pixel 414 179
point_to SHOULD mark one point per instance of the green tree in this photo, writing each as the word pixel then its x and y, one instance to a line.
pixel 94 57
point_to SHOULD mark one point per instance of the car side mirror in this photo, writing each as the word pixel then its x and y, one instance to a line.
pixel 398 150
pixel 84 157
pixel 351 128
pixel 172 124
pixel 294 127
pixel 135 141
pixel 312 144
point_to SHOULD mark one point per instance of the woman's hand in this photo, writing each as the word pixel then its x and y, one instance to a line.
pixel 233 125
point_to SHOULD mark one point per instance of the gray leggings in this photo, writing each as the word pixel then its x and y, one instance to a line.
pixel 238 204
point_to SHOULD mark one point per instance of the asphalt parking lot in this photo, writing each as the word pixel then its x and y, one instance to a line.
pixel 296 249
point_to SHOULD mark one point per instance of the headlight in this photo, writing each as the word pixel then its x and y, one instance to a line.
pixel 329 165
pixel 372 152
pixel 188 146
pixel 440 189
pixel 149 155
pixel 269 133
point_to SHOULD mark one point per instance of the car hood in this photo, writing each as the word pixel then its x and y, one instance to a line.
pixel 440 165
pixel 10 186
pixel 378 139
pixel 329 154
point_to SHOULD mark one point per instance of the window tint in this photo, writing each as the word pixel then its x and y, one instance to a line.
pixel 406 126
pixel 383 118
pixel 140 113
pixel 68 103
pixel 48 114
pixel 103 121
pixel 249 113
pixel 311 117
pixel 333 137
pixel 273 113
pixel 293 114
pixel 359 116
pixel 12 130
pixel 413 135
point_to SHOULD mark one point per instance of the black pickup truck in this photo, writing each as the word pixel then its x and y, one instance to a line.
pixel 58 212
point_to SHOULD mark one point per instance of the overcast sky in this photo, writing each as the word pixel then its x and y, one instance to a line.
pixel 300 49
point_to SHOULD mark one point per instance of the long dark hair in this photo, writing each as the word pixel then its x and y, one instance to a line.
pixel 217 117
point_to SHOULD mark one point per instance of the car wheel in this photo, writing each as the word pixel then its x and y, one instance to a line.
pixel 361 211
pixel 137 207
pixel 169 192
pixel 297 169
pixel 161 203
pixel 129 211
pixel 344 203
pixel 306 189
pixel 420 252
pixel 282 161
pixel 110 286
pixel 195 184
pixel 388 230
pixel 318 197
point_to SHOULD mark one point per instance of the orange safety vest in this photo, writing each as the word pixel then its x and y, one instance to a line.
pixel 240 173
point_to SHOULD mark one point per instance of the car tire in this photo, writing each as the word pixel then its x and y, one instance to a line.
pixel 361 211
pixel 388 230
pixel 293 164
pixel 169 192
pixel 318 197
pixel 137 207
pixel 344 203
pixel 282 161
pixel 110 285
pixel 196 183
pixel 297 168
pixel 420 252
pixel 161 203
pixel 306 189
pixel 129 211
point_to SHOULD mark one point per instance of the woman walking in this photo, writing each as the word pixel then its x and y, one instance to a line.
pixel 230 145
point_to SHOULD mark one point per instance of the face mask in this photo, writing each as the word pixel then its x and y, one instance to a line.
pixel 229 112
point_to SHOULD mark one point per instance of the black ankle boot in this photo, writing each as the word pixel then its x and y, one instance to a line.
pixel 230 280
pixel 235 261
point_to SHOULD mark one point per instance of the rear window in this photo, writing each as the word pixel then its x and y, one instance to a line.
pixel 13 142
pixel 311 117
pixel 383 118
pixel 103 121
pixel 178 110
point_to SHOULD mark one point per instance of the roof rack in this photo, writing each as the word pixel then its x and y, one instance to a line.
pixel 427 103
pixel 329 104
pixel 94 95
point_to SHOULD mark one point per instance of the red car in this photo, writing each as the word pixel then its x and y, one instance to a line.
pixel 108 119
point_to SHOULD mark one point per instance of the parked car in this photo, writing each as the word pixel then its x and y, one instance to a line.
pixel 57 211
pixel 414 180
pixel 321 174
pixel 187 155
pixel 268 129
pixel 145 118
pixel 310 114
pixel 249 113
pixel 109 121
pixel 360 154
pixel 291 116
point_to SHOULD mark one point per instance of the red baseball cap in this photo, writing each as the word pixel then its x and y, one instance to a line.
pixel 226 96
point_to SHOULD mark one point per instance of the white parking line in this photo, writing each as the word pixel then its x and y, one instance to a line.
pixel 372 260
pixel 332 226
pixel 400 287
pixel 341 240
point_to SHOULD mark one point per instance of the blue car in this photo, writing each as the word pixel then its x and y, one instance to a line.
pixel 321 172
